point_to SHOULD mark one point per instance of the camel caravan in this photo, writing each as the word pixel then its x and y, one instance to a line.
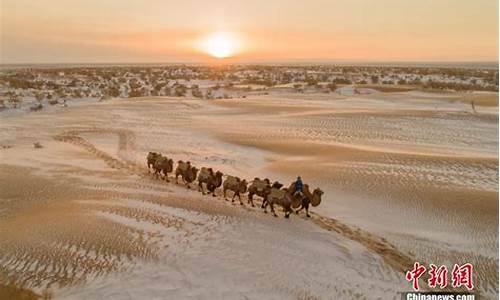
pixel 293 198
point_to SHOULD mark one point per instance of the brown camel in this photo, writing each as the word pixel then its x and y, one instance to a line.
pixel 313 198
pixel 279 196
pixel 186 171
pixel 236 185
pixel 212 180
pixel 151 158
pixel 165 165
pixel 260 188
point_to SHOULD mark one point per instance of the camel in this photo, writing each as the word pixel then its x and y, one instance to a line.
pixel 164 164
pixel 211 179
pixel 276 185
pixel 186 171
pixel 151 158
pixel 236 185
pixel 313 198
pixel 204 176
pixel 280 196
pixel 258 187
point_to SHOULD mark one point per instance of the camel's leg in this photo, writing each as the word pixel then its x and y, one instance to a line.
pixel 307 211
pixel 288 211
pixel 250 199
pixel 224 191
pixel 232 199
pixel 166 177
pixel 200 188
pixel 239 198
pixel 298 210
pixel 272 208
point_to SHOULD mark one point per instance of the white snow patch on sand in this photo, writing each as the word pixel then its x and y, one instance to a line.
pixel 249 258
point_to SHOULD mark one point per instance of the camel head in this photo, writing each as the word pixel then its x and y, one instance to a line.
pixel 316 197
pixel 267 180
pixel 318 191
pixel 267 189
pixel 243 186
pixel 218 178
pixel 194 172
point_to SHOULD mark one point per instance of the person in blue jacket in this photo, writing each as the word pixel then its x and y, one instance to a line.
pixel 298 186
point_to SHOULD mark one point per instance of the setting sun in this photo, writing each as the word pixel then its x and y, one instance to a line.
pixel 220 45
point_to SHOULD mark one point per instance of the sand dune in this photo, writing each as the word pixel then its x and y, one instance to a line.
pixel 82 218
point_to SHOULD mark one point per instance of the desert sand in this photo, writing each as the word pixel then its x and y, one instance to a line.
pixel 407 176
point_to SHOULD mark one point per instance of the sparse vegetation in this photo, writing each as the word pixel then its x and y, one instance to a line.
pixel 57 85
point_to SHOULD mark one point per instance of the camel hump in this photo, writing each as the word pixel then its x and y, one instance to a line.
pixel 277 193
pixel 230 180
pixel 277 185
pixel 182 166
pixel 205 172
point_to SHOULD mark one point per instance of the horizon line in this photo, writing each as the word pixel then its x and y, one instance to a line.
pixel 270 62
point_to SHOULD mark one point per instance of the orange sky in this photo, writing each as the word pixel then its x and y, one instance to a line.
pixel 51 31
